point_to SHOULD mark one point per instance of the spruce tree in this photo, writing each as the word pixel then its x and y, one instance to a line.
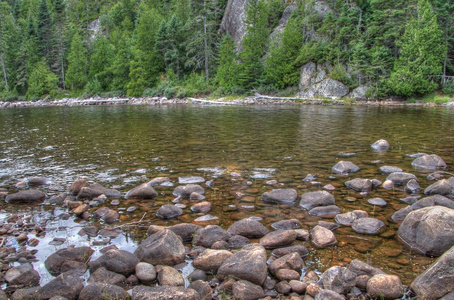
pixel 41 82
pixel 76 76
pixel 422 51
pixel 101 61
pixel 44 31
pixel 227 73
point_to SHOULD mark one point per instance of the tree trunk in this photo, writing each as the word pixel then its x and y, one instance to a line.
pixel 205 40
pixel 2 61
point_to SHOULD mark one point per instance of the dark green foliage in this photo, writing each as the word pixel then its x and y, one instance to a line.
pixel 76 76
pixel 42 82
pixel 227 73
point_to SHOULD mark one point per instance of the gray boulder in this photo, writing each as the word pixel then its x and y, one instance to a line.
pixel 169 276
pixel 101 291
pixel 66 259
pixel 428 230
pixel 390 169
pixel 102 275
pixel 163 248
pixel 322 237
pixel 203 289
pixel 348 218
pixel 291 261
pixel 287 224
pixel 433 201
pixel 441 187
pixel 380 145
pixel 338 279
pixel 145 272
pixel 278 238
pixel 367 225
pixel 300 249
pixel 185 191
pixel 168 211
pixel 438 280
pixel 163 293
pixel 345 167
pixel 27 196
pixel 384 286
pixel 68 285
pixel 95 190
pixel 185 230
pixel 210 260
pixel 412 187
pixel 248 228
pixel 318 198
pixel 401 214
pixel 429 162
pixel 280 196
pixel 209 235
pixel 360 185
pixel 325 294
pixel 361 268
pixel 118 261
pixel 329 211
pixel 143 191
pixel 400 178
pixel 22 276
pixel 248 264
pixel 77 185
pixel 246 290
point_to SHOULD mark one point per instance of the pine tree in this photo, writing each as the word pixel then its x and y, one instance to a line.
pixel 101 61
pixel 254 44
pixel 44 31
pixel 421 54
pixel 169 43
pixel 58 56
pixel 445 12
pixel 121 64
pixel 42 81
pixel 227 73
pixel 76 76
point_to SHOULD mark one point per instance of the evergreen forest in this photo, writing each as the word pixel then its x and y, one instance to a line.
pixel 177 48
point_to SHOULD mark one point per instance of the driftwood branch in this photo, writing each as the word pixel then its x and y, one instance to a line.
pixel 101 101
pixel 133 223
pixel 265 97
pixel 211 102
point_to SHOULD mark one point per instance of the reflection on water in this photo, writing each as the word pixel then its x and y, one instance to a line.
pixel 123 146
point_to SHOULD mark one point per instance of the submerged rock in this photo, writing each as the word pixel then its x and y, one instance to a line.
pixel 345 167
pixel 400 178
pixel 367 225
pixel 27 196
pixel 185 191
pixel 280 196
pixel 329 211
pixel 278 238
pixel 314 199
pixel 348 218
pixel 95 190
pixel 168 211
pixel 380 145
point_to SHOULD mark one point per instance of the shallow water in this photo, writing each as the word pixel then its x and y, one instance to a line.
pixel 123 146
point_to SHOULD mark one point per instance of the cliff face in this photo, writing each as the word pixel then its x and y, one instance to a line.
pixel 233 21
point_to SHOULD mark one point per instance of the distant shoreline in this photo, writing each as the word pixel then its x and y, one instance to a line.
pixel 217 102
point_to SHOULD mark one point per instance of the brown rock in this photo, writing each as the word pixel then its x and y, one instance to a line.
pixel 246 290
pixel 322 237
pixel 278 238
pixel 168 276
pixel 385 286
pixel 211 260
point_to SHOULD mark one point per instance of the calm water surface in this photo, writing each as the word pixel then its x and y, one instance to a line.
pixel 123 146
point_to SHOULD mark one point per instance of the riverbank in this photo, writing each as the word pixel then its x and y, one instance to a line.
pixel 251 100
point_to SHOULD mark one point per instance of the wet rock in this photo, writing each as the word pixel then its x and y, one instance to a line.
pixel 302 234
pixel 322 237
pixel 81 209
pixel 102 275
pixel 163 247
pixel 400 178
pixel 237 241
pixel 190 179
pixel 377 202
pixel 103 291
pixel 412 187
pixel 329 211
pixel 247 264
pixel 339 279
pixel 187 190
pixel 385 287
pixel 206 218
pixel 164 293
pixel 298 287
pixel 197 275
pixel 314 199
pixel 203 289
pixel 287 275
pixel 194 196
pixel 118 261
pixel 287 224
pixel 280 196
pixel 58 199
pixel 283 288
pixel 62 260
pixel 95 190
pixel 347 219
pixel 367 225
pixel 400 215
pixel 22 276
pixel 202 207
pixel 309 178
pixel 328 295
pixel 278 238
pixel 27 196
pixel 108 215
pixel 68 285
pixel 410 199
pixel 429 162
pixel 388 184
pixel 185 230
pixel 345 167
pixel 248 228
pixel 328 225
pixel 433 201
pixel 380 145
pixel 160 181
pixel 145 272
pixel 143 191
pixel 360 185
pixel 291 261
pixel 390 169
pixel 436 281
pixel 300 249
pixel 207 236
pixel 441 187
pixel 428 230
pixel 361 268
pixel 77 185
pixel 211 260
pixel 22 294
pixel 169 276
pixel 168 211
pixel 246 290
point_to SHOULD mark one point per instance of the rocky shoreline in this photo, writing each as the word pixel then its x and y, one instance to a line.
pixel 253 100
pixel 247 260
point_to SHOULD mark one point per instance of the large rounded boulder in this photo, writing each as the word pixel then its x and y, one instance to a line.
pixel 318 198
pixel 162 248
pixel 280 196
pixel 143 191
pixel 428 230
pixel 248 228
pixel 118 261
pixel 27 196
pixel 429 162
pixel 345 167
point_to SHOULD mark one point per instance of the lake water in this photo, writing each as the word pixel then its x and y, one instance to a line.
pixel 123 146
